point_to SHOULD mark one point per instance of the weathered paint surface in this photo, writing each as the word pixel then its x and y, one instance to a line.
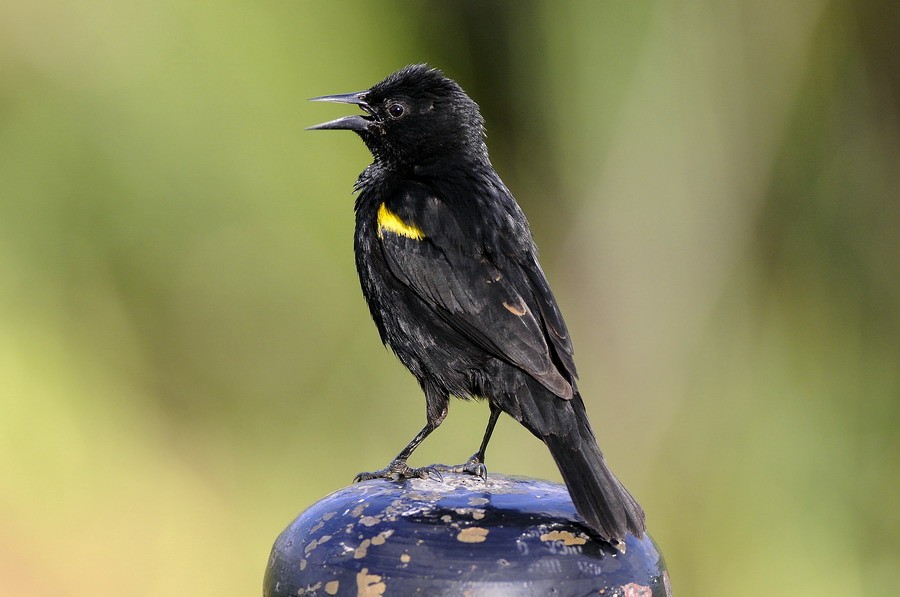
pixel 459 535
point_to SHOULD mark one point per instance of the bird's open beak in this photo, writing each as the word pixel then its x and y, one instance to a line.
pixel 357 122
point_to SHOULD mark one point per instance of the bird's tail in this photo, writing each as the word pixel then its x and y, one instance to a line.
pixel 599 497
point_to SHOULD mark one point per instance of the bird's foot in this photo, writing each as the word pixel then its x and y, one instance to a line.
pixel 398 470
pixel 473 466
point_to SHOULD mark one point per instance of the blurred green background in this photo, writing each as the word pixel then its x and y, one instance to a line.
pixel 186 361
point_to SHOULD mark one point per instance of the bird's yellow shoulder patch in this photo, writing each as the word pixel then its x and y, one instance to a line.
pixel 391 222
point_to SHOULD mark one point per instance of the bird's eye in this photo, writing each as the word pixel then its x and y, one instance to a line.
pixel 395 110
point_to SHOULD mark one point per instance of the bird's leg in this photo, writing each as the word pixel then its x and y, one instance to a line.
pixel 398 470
pixel 475 464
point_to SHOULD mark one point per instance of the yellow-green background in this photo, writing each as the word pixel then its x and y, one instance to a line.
pixel 186 361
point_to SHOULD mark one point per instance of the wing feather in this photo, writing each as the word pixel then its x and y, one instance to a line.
pixel 497 309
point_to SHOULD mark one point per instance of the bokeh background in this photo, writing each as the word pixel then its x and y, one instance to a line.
pixel 186 361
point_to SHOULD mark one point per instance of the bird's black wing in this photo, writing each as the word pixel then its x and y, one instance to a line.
pixel 504 311
pixel 556 330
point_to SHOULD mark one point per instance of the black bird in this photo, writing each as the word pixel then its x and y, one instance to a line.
pixel 450 273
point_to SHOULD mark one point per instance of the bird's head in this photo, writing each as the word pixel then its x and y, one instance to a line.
pixel 416 117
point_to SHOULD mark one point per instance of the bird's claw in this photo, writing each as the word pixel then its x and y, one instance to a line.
pixel 398 470
pixel 473 466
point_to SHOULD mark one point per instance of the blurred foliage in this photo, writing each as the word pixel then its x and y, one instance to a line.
pixel 186 361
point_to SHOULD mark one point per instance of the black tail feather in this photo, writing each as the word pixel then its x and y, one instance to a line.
pixel 599 497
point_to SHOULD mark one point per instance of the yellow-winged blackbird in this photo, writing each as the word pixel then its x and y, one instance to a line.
pixel 450 272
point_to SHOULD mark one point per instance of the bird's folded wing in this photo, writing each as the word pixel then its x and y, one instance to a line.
pixel 495 309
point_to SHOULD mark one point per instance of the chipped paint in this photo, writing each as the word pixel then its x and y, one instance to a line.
pixel 317 526
pixel 331 587
pixel 446 518
pixel 328 515
pixel 636 590
pixel 312 545
pixel 405 558
pixel 369 585
pixel 357 511
pixel 566 537
pixel 478 513
pixel 472 535
pixel 369 520
pixel 361 550
pixel 381 537
pixel 478 501
pixel 302 564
